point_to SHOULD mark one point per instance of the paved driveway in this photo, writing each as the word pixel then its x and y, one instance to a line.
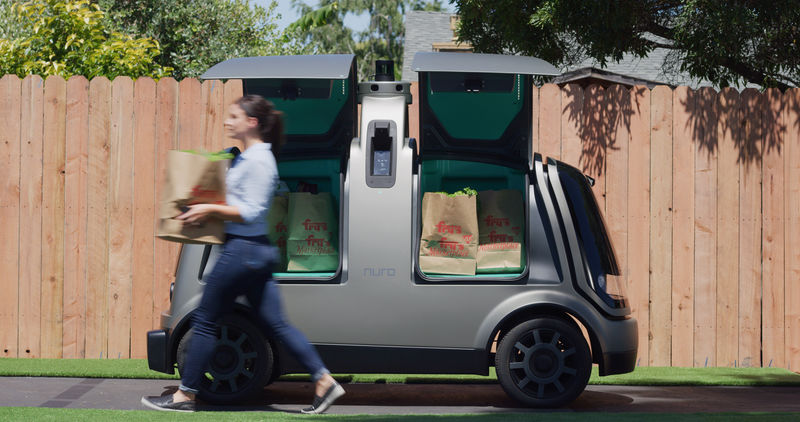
pixel 405 398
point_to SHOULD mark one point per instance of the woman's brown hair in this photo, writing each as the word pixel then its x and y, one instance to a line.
pixel 270 120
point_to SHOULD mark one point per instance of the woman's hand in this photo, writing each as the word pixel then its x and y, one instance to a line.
pixel 196 214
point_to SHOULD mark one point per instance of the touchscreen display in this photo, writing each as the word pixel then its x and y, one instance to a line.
pixel 381 163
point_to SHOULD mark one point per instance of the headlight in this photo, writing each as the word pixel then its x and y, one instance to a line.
pixel 611 288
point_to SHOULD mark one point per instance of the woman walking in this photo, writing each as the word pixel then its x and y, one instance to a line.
pixel 245 264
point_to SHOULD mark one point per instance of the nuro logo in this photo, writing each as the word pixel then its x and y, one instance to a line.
pixel 379 272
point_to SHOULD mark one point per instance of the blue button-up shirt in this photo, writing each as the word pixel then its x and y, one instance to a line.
pixel 250 184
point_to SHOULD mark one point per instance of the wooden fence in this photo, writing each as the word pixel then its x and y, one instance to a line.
pixel 701 193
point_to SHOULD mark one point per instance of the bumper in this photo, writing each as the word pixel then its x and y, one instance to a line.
pixel 158 357
pixel 618 363
pixel 620 348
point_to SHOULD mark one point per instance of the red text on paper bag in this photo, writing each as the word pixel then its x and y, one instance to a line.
pixel 204 196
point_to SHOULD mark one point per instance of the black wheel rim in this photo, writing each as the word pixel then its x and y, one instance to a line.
pixel 543 363
pixel 232 365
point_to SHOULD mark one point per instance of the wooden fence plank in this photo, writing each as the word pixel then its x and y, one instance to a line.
pixel 684 147
pixel 705 200
pixel 773 301
pixel 30 258
pixel 635 106
pixel 660 225
pixel 727 291
pixel 595 137
pixel 10 154
pixel 791 122
pixel 550 112
pixel 166 253
pixel 120 218
pixel 190 110
pixel 413 110
pixel 144 206
pixel 750 149
pixel 232 92
pixel 571 115
pixel 55 96
pixel 617 192
pixel 214 99
pixel 75 216
pixel 97 231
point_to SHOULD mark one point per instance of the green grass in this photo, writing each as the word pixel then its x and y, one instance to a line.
pixel 137 368
pixel 89 415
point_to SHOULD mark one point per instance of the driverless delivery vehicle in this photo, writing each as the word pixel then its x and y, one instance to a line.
pixel 375 306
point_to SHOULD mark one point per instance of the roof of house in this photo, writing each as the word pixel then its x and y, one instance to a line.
pixel 603 77
pixel 422 30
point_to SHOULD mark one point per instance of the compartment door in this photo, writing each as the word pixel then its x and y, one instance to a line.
pixel 317 95
pixel 472 116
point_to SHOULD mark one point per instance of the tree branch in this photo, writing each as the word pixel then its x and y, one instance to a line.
pixel 660 30
pixel 750 74
pixel 661 45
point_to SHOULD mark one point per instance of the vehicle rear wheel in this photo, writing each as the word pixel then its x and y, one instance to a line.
pixel 241 364
pixel 543 362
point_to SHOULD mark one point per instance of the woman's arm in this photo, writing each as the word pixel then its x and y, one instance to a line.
pixel 198 213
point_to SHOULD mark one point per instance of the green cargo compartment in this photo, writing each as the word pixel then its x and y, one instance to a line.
pixel 453 175
pixel 325 174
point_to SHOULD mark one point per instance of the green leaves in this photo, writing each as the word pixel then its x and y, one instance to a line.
pixel 466 191
pixel 68 37
pixel 315 18
pixel 726 43
pixel 211 155
pixel 197 34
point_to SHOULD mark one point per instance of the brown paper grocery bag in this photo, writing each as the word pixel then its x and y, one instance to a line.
pixel 449 241
pixel 312 244
pixel 192 178
pixel 278 227
pixel 501 227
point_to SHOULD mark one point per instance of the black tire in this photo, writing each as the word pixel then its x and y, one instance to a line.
pixel 543 362
pixel 240 366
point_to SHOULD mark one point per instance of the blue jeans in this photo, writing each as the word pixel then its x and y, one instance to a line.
pixel 244 268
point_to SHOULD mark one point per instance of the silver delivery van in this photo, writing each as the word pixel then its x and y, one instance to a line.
pixel 377 311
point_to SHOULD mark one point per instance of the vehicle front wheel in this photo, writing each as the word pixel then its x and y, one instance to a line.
pixel 240 365
pixel 543 362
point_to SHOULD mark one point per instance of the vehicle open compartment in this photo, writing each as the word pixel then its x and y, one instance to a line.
pixel 475 132
pixel 317 95
pixel 454 175
pixel 324 174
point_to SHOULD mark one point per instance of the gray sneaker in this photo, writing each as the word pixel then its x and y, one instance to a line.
pixel 165 403
pixel 322 404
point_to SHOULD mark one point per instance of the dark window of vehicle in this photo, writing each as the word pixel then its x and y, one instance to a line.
pixel 598 250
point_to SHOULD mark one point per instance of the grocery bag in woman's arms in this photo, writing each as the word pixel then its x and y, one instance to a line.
pixel 192 178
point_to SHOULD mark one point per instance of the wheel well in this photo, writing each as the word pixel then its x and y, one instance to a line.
pixel 534 311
